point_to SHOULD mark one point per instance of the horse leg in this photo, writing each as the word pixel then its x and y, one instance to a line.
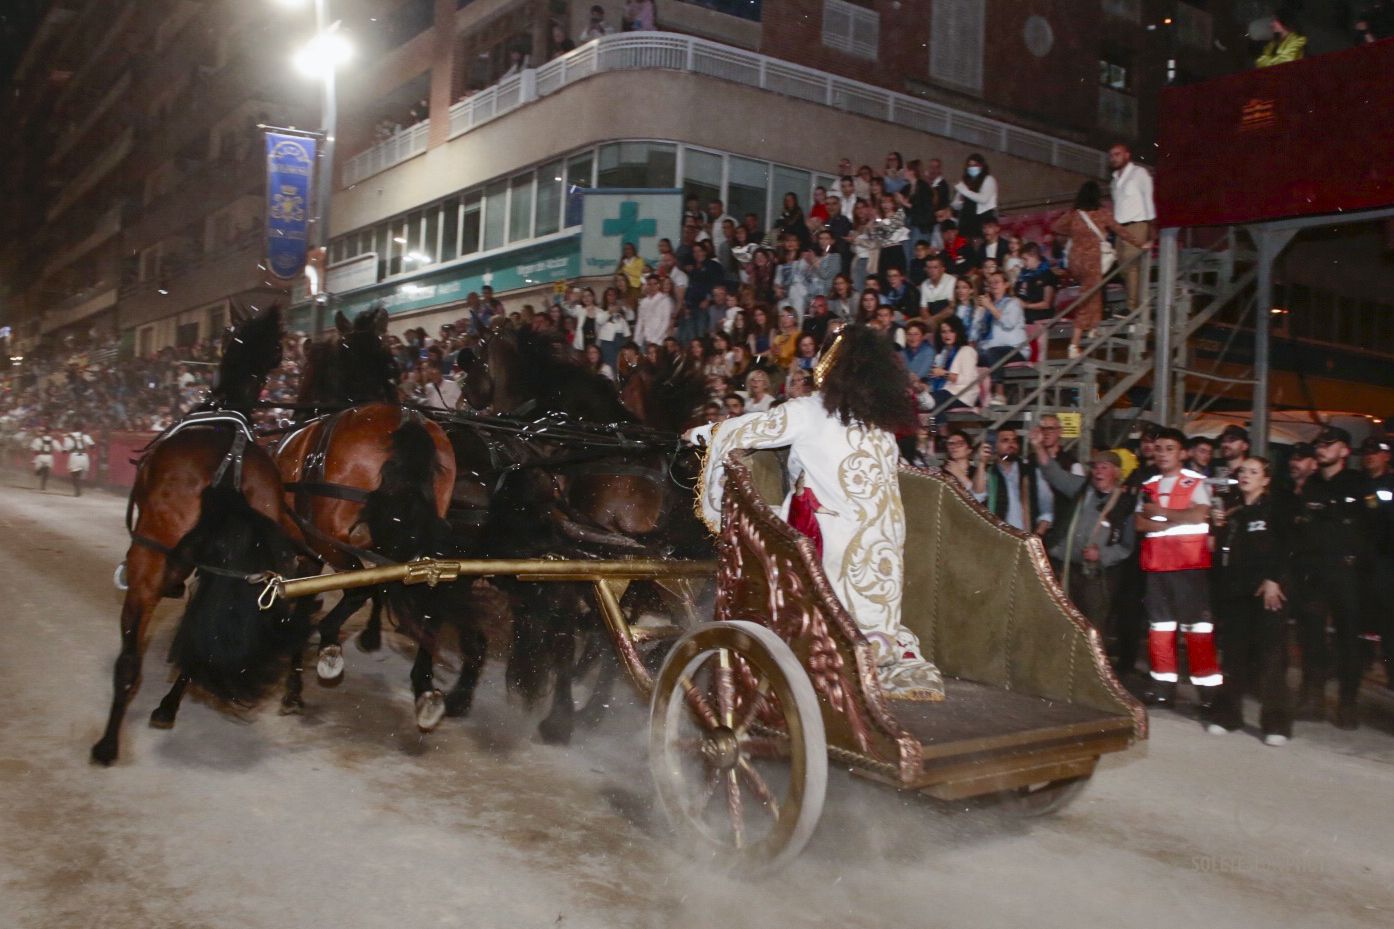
pixel 292 702
pixel 330 666
pixel 430 703
pixel 163 715
pixel 473 650
pixel 145 579
pixel 556 729
pixel 370 639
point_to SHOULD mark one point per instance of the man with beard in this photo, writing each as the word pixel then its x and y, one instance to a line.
pixel 1333 526
pixel 1302 464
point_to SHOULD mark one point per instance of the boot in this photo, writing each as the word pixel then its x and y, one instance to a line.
pixel 1345 716
pixel 1160 694
pixel 1219 711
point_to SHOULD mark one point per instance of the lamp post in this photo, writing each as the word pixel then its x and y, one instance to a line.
pixel 320 58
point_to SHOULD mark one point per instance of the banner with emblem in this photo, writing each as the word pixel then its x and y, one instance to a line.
pixel 290 170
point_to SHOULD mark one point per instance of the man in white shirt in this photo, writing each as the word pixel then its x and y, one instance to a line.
pixel 718 217
pixel 848 190
pixel 1131 189
pixel 655 314
pixel 937 291
pixel 441 393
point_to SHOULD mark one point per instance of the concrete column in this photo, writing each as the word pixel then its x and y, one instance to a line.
pixel 1271 243
pixel 442 72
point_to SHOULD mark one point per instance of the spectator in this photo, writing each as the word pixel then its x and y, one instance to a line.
pixel 654 318
pixel 937 291
pixel 757 397
pixel 1252 585
pixel 976 319
pixel 916 197
pixel 1017 493
pixel 818 320
pixel 1094 535
pixel 638 16
pixel 1131 191
pixel 1379 564
pixel 1200 453
pixel 967 468
pixel 1172 517
pixel 975 197
pixel 558 43
pixel 919 351
pixel 1008 327
pixel 784 344
pixel 791 220
pixel 954 374
pixel 1287 44
pixel 597 26
pixel 633 268
pixel 438 391
pixel 903 299
pixel 842 301
pixel 595 362
pixel 1091 256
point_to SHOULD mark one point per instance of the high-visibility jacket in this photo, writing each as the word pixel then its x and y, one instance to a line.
pixel 1180 546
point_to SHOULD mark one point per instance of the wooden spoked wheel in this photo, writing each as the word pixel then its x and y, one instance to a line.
pixel 1041 799
pixel 737 747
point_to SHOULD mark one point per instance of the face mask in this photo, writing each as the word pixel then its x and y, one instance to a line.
pixel 974 170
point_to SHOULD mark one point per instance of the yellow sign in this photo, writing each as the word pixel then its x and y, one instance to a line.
pixel 1069 425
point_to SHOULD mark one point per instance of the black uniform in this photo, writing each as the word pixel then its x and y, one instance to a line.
pixel 1255 545
pixel 1379 570
pixel 1332 536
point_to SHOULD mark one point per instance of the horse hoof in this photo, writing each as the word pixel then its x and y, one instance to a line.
pixel 369 641
pixel 457 705
pixel 430 707
pixel 330 666
pixel 104 753
pixel 292 706
pixel 554 733
pixel 119 577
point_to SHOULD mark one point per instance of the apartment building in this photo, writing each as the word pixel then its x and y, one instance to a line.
pixel 467 127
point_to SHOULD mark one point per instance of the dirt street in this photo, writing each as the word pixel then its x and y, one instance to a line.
pixel 347 817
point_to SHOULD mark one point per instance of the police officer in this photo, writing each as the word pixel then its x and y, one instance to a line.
pixel 1332 535
pixel 1379 568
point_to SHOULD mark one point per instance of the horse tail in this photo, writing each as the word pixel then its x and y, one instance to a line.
pixel 225 642
pixel 401 513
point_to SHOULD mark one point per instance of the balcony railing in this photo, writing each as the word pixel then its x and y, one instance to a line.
pixel 639 51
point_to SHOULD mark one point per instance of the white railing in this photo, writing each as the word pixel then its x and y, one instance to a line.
pixel 638 51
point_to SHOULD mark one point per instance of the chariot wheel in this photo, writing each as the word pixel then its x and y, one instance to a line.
pixel 736 746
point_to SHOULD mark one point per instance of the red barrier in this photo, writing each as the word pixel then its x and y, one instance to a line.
pixel 112 458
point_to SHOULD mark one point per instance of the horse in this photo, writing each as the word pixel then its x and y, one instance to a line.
pixel 207 497
pixel 370 482
pixel 582 480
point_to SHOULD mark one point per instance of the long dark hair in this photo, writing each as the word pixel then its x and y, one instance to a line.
pixel 868 384
pixel 1090 197
pixel 975 183
pixel 956 324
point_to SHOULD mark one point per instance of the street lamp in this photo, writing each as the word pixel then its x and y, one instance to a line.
pixel 320 58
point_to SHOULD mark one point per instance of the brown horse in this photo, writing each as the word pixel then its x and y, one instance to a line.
pixel 207 497
pixel 369 483
pixel 582 480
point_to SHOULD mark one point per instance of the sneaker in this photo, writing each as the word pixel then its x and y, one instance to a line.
pixel 1216 729
pixel 1074 351
pixel 1274 739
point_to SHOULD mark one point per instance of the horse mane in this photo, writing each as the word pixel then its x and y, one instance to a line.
pixel 561 384
pixel 250 352
pixel 354 366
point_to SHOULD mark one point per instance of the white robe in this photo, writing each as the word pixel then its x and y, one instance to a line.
pixel 851 469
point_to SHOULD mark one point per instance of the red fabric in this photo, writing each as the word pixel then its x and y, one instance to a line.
pixel 1175 553
pixel 1299 139
pixel 1200 654
pixel 1161 651
pixel 802 516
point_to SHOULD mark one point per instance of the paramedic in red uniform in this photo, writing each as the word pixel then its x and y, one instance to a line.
pixel 1172 521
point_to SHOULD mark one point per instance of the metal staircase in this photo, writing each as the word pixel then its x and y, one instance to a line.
pixel 1206 279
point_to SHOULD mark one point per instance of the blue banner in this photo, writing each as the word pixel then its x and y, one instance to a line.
pixel 290 170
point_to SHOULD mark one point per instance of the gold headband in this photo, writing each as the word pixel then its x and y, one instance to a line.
pixel 825 364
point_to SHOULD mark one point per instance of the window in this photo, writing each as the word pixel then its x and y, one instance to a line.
pixel 701 176
pixel 430 243
pixel 851 29
pixel 470 225
pixel 580 171
pixel 520 208
pixel 790 181
pixel 638 164
pixel 495 214
pixel 450 229
pixel 549 180
pixel 956 43
pixel 745 9
pixel 748 190
pixel 1114 68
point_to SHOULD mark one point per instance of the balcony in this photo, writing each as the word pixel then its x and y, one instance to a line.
pixel 78 307
pixel 94 172
pixel 640 51
pixel 204 188
pixel 106 226
pixel 71 137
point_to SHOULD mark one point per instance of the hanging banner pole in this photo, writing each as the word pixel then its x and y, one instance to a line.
pixel 290 172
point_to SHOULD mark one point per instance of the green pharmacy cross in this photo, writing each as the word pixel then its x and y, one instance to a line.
pixel 628 226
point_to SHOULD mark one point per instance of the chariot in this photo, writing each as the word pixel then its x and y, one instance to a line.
pixel 748 707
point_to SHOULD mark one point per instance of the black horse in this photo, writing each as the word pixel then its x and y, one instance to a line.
pixel 577 479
